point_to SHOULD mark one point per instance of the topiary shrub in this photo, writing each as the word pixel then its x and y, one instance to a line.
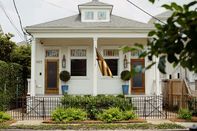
pixel 64 76
pixel 4 117
pixel 184 114
pixel 68 115
pixel 125 75
pixel 111 115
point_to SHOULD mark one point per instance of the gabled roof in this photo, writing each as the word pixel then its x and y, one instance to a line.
pixel 95 3
pixel 74 22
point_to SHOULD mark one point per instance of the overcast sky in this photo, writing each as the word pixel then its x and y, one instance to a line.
pixel 39 11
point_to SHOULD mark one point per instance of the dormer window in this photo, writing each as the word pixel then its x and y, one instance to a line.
pixel 89 15
pixel 101 15
pixel 95 11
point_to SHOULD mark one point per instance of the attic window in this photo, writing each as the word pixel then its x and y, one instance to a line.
pixel 89 15
pixel 101 15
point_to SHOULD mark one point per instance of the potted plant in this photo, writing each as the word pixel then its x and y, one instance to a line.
pixel 65 77
pixel 125 76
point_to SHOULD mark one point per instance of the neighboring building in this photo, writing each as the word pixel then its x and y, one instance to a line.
pixel 76 38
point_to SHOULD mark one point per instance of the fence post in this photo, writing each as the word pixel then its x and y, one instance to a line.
pixel 22 100
pixel 43 109
pixel 144 113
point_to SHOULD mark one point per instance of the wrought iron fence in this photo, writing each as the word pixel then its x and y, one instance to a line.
pixel 146 107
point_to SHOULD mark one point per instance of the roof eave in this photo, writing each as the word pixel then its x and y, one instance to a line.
pixel 78 30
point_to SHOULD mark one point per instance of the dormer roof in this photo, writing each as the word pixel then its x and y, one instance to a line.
pixel 95 3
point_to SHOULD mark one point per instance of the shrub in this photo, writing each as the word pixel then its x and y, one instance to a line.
pixel 184 114
pixel 111 115
pixel 68 115
pixel 65 76
pixel 95 104
pixel 129 115
pixel 125 75
pixel 4 117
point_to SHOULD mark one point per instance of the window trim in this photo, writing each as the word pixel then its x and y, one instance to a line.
pixel 111 57
pixel 83 57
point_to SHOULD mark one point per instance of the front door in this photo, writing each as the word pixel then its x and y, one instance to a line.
pixel 51 76
pixel 138 80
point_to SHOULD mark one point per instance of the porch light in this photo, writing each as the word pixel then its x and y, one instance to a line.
pixel 125 62
pixel 63 62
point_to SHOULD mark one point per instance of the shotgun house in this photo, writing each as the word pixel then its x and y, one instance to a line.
pixel 69 44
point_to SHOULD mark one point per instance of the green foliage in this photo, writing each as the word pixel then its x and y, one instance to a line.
pixel 4 101
pixel 68 115
pixel 4 117
pixel 129 115
pixel 95 104
pixel 184 114
pixel 10 82
pixel 125 75
pixel 111 115
pixel 6 47
pixel 64 76
pixel 174 41
pixel 115 114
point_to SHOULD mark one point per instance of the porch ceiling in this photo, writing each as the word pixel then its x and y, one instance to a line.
pixel 89 41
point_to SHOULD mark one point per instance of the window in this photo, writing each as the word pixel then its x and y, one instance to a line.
pixel 89 15
pixel 78 62
pixel 78 67
pixel 111 57
pixel 52 53
pixel 113 65
pixel 101 15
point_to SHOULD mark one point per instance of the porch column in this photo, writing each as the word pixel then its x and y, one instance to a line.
pixel 33 64
pixel 94 67
pixel 157 78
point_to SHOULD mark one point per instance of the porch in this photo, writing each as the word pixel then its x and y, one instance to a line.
pixel 70 53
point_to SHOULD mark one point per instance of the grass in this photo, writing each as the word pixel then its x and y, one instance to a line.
pixel 95 126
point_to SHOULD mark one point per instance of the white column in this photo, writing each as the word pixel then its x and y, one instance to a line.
pixel 28 86
pixel 33 64
pixel 157 78
pixel 94 67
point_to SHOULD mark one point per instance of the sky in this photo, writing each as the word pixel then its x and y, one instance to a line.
pixel 39 11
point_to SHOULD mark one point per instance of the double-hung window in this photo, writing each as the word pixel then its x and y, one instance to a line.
pixel 111 57
pixel 89 15
pixel 78 62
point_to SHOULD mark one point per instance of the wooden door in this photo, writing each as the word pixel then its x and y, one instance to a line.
pixel 51 77
pixel 138 80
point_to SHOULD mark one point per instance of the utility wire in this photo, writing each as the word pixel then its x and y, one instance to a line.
pixel 24 33
pixel 145 12
pixel 11 22
pixel 58 6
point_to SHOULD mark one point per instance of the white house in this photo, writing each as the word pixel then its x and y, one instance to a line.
pixel 73 40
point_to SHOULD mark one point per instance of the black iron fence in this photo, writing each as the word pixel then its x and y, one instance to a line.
pixel 145 106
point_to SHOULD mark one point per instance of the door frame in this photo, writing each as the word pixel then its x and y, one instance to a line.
pixel 138 91
pixel 54 91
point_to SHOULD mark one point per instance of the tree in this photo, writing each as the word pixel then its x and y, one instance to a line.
pixel 175 41
pixel 6 47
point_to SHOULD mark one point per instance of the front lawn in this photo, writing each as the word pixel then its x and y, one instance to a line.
pixel 98 126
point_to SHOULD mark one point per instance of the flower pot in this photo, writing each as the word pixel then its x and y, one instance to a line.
pixel 64 89
pixel 125 89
